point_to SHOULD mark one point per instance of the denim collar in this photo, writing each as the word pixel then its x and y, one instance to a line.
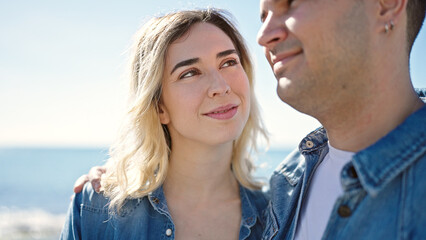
pixel 315 140
pixel 249 212
pixel 381 162
pixel 159 203
pixel 293 167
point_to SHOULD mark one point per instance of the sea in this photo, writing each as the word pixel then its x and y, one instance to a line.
pixel 36 185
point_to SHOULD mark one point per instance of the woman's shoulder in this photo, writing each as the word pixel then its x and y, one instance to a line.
pixel 91 217
pixel 89 199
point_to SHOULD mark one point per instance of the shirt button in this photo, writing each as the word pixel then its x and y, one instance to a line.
pixel 344 211
pixel 169 232
pixel 156 200
pixel 309 144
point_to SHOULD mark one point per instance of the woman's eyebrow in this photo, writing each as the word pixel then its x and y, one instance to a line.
pixel 195 60
pixel 226 53
pixel 185 63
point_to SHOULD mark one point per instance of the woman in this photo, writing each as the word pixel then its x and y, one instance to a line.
pixel 181 169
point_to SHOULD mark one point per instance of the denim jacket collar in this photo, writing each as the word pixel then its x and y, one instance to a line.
pixel 373 170
pixel 380 163
pixel 314 141
pixel 158 202
pixel 292 167
pixel 249 212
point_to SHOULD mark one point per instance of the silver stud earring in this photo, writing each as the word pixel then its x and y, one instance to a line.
pixel 389 26
pixel 386 28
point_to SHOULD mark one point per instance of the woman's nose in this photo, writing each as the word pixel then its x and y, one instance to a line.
pixel 218 85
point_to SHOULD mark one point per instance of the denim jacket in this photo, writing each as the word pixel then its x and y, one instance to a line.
pixel 146 218
pixel 384 187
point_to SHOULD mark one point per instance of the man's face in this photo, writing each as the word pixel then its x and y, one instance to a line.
pixel 317 49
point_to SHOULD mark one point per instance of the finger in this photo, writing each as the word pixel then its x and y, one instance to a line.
pixel 95 175
pixel 78 185
pixel 96 172
pixel 96 185
pixel 102 170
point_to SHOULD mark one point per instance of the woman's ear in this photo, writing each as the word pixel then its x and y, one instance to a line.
pixel 163 113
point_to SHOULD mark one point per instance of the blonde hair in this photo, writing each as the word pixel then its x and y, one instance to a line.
pixel 139 159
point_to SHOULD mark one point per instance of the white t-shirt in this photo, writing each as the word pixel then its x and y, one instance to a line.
pixel 323 192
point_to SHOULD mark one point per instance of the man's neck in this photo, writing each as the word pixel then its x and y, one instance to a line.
pixel 362 124
pixel 384 99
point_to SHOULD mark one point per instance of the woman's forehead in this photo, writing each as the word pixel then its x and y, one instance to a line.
pixel 201 39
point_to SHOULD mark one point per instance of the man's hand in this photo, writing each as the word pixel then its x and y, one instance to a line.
pixel 94 177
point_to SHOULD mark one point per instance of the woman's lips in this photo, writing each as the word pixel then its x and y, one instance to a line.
pixel 223 113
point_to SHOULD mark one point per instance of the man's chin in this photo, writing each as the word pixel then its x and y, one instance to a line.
pixel 283 92
pixel 286 90
pixel 283 84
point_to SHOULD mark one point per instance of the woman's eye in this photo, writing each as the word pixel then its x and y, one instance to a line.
pixel 229 63
pixel 188 74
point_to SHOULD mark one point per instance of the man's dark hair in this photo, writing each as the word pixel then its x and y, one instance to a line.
pixel 416 10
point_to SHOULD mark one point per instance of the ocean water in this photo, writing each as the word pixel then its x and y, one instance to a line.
pixel 36 185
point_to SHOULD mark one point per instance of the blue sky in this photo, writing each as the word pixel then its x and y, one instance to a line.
pixel 62 65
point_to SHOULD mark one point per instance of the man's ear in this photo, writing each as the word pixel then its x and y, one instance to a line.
pixel 391 10
pixel 163 113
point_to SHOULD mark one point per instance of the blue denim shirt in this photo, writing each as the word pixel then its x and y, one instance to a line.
pixel 147 217
pixel 384 187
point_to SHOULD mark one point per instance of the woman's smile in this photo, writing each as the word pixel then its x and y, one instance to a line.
pixel 223 113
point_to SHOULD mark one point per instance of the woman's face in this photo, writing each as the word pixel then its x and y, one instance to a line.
pixel 206 92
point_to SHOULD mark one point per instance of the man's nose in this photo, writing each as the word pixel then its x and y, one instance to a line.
pixel 273 30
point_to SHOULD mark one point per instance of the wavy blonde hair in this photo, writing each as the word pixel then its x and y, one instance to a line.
pixel 139 158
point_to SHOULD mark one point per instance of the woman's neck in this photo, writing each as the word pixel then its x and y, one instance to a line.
pixel 198 171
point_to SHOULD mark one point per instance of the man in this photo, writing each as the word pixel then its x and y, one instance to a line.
pixel 346 63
